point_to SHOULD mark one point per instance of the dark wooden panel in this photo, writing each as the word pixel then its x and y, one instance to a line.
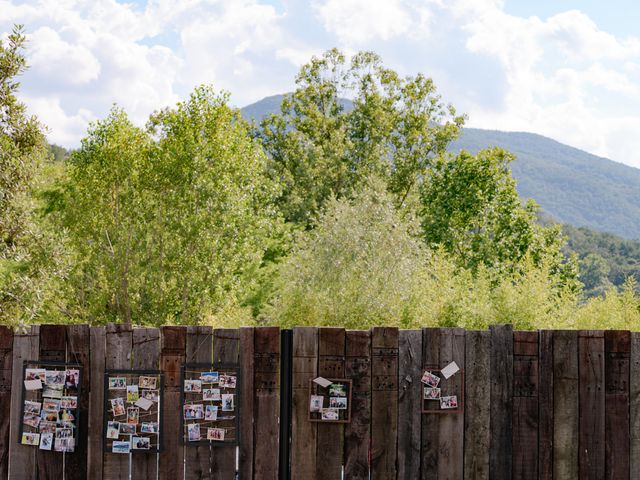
pixel 430 422
pixel 358 432
pixel 501 454
pixel 6 366
pixel 617 439
pixel 545 405
pixel 591 370
pixel 96 401
pixel 267 404
pixel 565 399
pixel 634 407
pixel 525 405
pixel 409 402
pixel 384 402
pixel 477 405
pixel 173 342
pixel 247 437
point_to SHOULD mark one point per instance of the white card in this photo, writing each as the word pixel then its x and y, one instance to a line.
pixel 450 369
pixel 33 384
pixel 144 403
pixel 323 382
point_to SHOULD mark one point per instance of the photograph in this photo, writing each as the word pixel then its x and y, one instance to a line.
pixel 227 381
pixel 316 403
pixel 54 378
pixel 128 428
pixel 144 404
pixel 51 404
pixel 117 406
pixel 49 416
pixel 30 438
pixel 193 411
pixel 52 391
pixel 149 427
pixel 120 447
pixel 133 415
pixel 338 402
pixel 65 444
pixel 211 413
pixel 140 443
pixel 67 415
pixel 148 382
pixel 338 390
pixel 215 434
pixel 211 394
pixel 35 374
pixel 193 432
pixel 132 393
pixel 329 414
pixel 113 430
pixel 152 395
pixel 430 379
pixel 72 378
pixel 431 393
pixel 31 420
pixel 32 407
pixel 192 386
pixel 117 383
pixel 47 427
pixel 449 402
pixel 209 377
pixel 33 384
pixel 69 402
pixel 227 402
pixel 64 433
pixel 46 441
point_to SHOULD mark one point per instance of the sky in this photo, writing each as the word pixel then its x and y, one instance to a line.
pixel 567 69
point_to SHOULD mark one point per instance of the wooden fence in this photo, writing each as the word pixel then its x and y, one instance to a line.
pixel 538 405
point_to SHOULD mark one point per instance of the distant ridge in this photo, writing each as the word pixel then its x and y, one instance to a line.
pixel 571 185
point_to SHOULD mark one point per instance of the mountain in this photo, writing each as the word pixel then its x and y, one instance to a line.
pixel 569 184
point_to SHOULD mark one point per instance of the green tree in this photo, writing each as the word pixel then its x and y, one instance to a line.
pixel 594 273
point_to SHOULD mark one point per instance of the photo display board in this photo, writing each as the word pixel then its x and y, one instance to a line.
pixel 50 405
pixel 331 402
pixel 210 404
pixel 443 389
pixel 133 406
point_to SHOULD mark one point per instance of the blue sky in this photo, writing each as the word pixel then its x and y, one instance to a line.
pixel 567 69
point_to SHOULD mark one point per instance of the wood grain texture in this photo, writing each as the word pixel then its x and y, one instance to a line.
pixel 617 437
pixel 246 403
pixel 477 405
pixel 430 431
pixel 358 432
pixel 566 410
pixel 592 408
pixel 266 404
pixel 545 405
pixel 501 454
pixel 384 402
pixel 304 434
pixel 409 402
pixel 6 367
pixel 634 407
pixel 96 401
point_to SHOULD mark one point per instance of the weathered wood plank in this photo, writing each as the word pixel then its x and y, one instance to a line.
pixel 172 357
pixel 96 401
pixel 331 364
pixel 6 366
pixel 617 439
pixel 409 402
pixel 477 405
pixel 384 402
pixel 430 422
pixel 501 454
pixel 591 393
pixel 304 434
pixel 358 432
pixel 545 405
pixel 226 349
pixel 634 407
pixel 267 403
pixel 247 437
pixel 566 410
pixel 525 405
pixel 146 356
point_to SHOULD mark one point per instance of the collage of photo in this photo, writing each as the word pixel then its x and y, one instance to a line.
pixel 330 400
pixel 50 409
pixel 441 388
pixel 133 412
pixel 209 405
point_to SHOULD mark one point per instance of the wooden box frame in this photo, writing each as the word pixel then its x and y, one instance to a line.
pixel 459 376
pixel 313 390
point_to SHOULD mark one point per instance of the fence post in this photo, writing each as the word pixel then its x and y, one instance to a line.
pixel 286 393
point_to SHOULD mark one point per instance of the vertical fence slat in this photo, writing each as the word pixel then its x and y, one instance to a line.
pixel 591 393
pixel 565 399
pixel 617 352
pixel 525 405
pixel 96 401
pixel 409 402
pixel 634 408
pixel 172 356
pixel 146 356
pixel 226 349
pixel 304 434
pixel 545 405
pixel 22 458
pixel 430 422
pixel 477 405
pixel 501 455
pixel 266 406
pixel 246 403
pixel 358 432
pixel 6 366
pixel 384 402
